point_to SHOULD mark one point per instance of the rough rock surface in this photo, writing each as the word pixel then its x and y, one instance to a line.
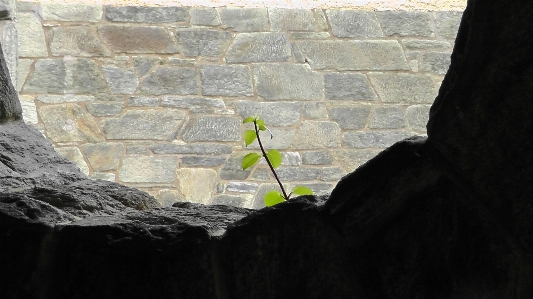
pixel 448 216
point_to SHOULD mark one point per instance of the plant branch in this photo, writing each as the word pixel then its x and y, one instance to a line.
pixel 268 161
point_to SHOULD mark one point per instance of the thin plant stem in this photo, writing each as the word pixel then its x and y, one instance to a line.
pixel 268 161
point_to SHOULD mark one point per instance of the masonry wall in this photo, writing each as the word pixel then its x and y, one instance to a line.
pixel 154 97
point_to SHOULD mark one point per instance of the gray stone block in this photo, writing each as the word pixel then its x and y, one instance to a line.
pixel 350 117
pixel 109 97
pixel 244 19
pixel 341 86
pixel 203 42
pixel 69 123
pixel 310 35
pixel 136 149
pixel 283 19
pixel 167 197
pixel 31 38
pixel 137 39
pixel 29 110
pixel 232 169
pixel 381 139
pixel 387 117
pixel 10 49
pixel 274 114
pixel 140 14
pixel 417 117
pixel 259 198
pixel 354 23
pixel 104 109
pixel 291 159
pixel 23 69
pixel 404 88
pixel 331 174
pixel 231 200
pixel 76 41
pixel 55 76
pixel 182 61
pixel 447 23
pixel 8 9
pixel 226 80
pixel 354 55
pixel 170 80
pixel 144 169
pixel 298 55
pixel 71 98
pixel 281 138
pixel 204 16
pixel 315 110
pixel 121 80
pixel 435 62
pixel 143 64
pixel 103 176
pixel 261 174
pixel 406 23
pixel 204 161
pixel 426 44
pixel 73 12
pixel 135 101
pixel 317 135
pixel 74 155
pixel 317 158
pixel 242 187
pixel 259 47
pixel 212 128
pixel 150 124
pixel 103 156
pixel 290 174
pixel 351 159
pixel 318 188
pixel 191 103
pixel 191 148
pixel 288 82
pixel 190 178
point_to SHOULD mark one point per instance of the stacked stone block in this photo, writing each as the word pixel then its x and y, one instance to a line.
pixel 154 97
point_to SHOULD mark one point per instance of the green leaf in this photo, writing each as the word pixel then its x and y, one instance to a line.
pixel 250 160
pixel 249 119
pixel 274 157
pixel 249 137
pixel 300 190
pixel 261 125
pixel 273 197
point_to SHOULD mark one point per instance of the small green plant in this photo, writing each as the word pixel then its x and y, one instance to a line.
pixel 273 159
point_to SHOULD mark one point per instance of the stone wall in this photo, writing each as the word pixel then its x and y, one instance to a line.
pixel 154 97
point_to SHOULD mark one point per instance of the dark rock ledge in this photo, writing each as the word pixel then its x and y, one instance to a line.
pixel 450 216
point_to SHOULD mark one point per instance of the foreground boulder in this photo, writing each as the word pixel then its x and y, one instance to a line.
pixel 448 216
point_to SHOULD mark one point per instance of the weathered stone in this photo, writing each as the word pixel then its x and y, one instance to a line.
pixel 74 155
pixel 417 117
pixel 447 23
pixel 350 117
pixel 426 44
pixel 156 124
pixel 317 158
pixel 140 14
pixel 69 98
pixel 244 19
pixel 109 98
pixel 181 61
pixel 190 178
pixel 274 114
pixel 23 69
pixel 435 62
pixel 8 8
pixel 136 149
pixel 331 174
pixel 262 174
pixel 259 47
pixel 259 198
pixel 290 174
pixel 232 200
pixel 10 49
pixel 351 159
pixel 69 123
pixel 143 169
pixel 143 64
pixel 288 82
pixel 387 117
pixel 354 55
pixel 170 80
pixel 65 76
pixel 319 189
pixel 72 12
pixel 282 138
pixel 310 35
pixel 298 55
pixel 232 169
pixel 192 103
pixel 321 19
pixel 354 23
pixel 137 39
pixel 291 159
pixel 110 177
pixel 167 197
pixel 203 42
pixel 135 101
pixel 103 156
pixel 315 110
pixel 341 86
pixel 76 41
pixel 212 128
pixel 373 139
pixel 226 80
pixel 204 16
pixel 205 161
pixel 283 19
pixel 31 39
pixel 242 187
pixel 404 88
pixel 104 109
pixel 29 110
pixel 191 148
pixel 406 23
pixel 317 135
pixel 121 80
